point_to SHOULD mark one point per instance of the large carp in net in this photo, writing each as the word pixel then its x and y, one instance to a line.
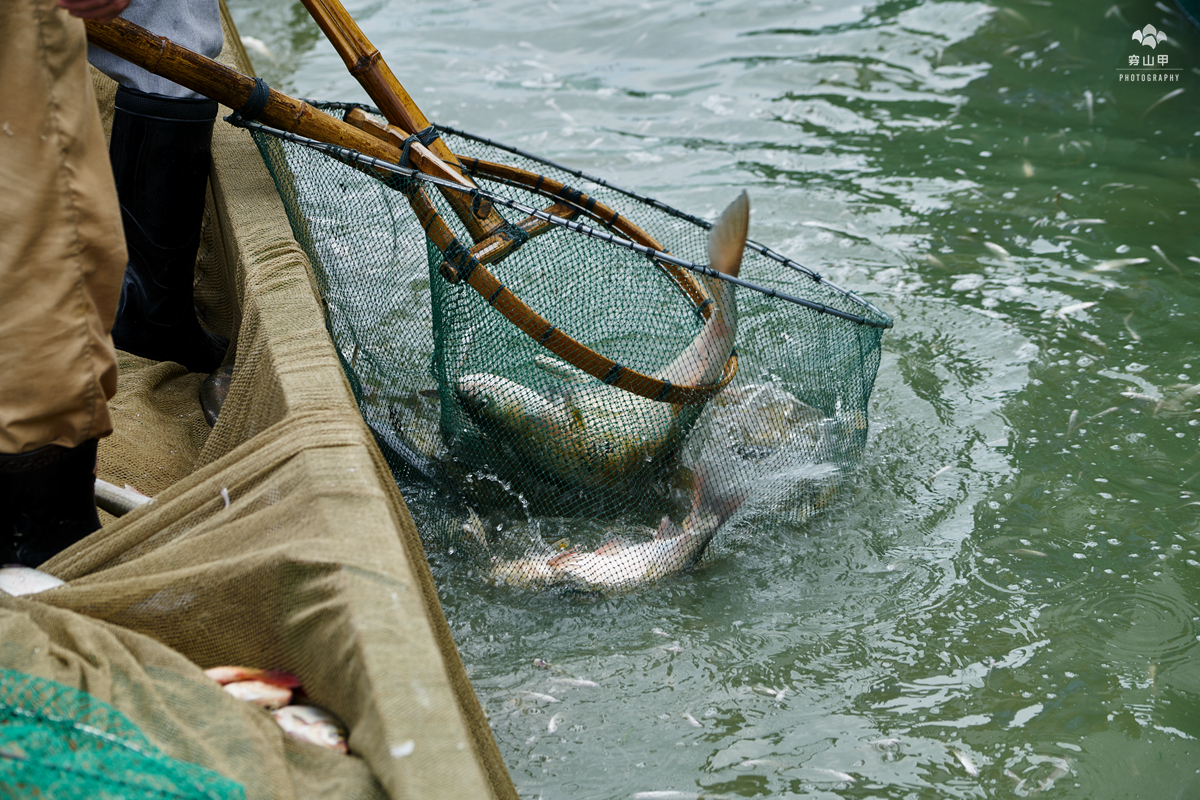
pixel 581 396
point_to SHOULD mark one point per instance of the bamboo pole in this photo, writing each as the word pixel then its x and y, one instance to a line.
pixel 364 61
pixel 230 87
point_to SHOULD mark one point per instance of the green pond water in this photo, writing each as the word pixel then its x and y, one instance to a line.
pixel 1006 599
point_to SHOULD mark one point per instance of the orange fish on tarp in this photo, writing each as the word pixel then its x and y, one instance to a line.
pixel 275 677
pixel 263 695
pixel 265 688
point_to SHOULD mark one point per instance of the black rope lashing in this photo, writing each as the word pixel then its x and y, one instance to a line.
pixel 571 195
pixel 614 374
pixel 459 259
pixel 477 207
pixel 708 301
pixel 257 101
pixel 404 150
pixel 427 136
pixel 514 233
pixel 350 107
pixel 666 390
pixel 546 336
pixel 495 294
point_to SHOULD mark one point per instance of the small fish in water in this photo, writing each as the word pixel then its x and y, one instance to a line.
pixel 582 682
pixel 967 763
pixel 833 774
pixel 618 566
pixel 1118 263
pixel 18 580
pixel 258 47
pixel 1071 422
pixel 1066 311
pixel 552 727
pixel 314 725
pixel 541 698
pixel 595 434
pixel 1061 767
pixel 996 249
pixel 695 723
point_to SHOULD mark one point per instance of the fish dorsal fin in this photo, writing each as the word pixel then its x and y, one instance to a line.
pixel 727 239
pixel 574 413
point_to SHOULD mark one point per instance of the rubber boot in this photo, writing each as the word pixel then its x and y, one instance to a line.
pixel 47 501
pixel 160 158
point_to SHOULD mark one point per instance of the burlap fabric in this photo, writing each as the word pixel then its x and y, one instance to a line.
pixel 277 540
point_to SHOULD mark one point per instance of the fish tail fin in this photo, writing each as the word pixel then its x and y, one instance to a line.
pixel 727 238
pixel 711 497
pixel 475 527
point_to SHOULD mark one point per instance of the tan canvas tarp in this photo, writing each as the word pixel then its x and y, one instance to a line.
pixel 277 540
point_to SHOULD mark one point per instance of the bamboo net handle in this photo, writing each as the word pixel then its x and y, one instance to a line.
pixel 228 86
pixel 212 79
pixel 364 61
pixel 601 213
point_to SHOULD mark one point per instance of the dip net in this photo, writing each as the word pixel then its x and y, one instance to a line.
pixel 525 381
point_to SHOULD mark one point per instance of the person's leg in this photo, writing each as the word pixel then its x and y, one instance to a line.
pixel 61 260
pixel 160 160
pixel 160 156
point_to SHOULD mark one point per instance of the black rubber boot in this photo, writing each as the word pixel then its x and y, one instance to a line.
pixel 160 159
pixel 47 501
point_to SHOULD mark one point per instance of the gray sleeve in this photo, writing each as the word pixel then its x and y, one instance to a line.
pixel 195 24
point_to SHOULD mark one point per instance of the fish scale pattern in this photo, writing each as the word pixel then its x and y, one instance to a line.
pixel 530 462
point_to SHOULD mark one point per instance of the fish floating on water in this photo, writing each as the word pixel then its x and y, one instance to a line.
pixel 595 435
pixel 618 566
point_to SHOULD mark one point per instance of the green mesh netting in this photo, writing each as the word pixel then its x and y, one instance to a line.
pixel 547 475
pixel 58 742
